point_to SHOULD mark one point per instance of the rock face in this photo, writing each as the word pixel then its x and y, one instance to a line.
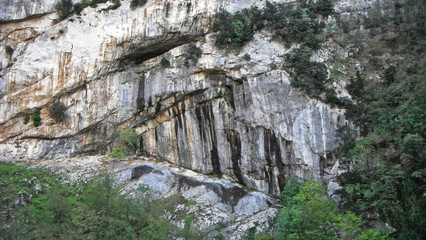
pixel 16 10
pixel 223 115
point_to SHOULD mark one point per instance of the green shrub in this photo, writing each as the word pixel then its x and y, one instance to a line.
pixel 309 214
pixel 9 50
pixel 64 8
pixel 355 87
pixel 293 25
pixel 26 119
pixel 36 205
pixel 247 57
pixel 117 153
pixel 290 25
pixel 322 7
pixel 57 111
pixel 388 160
pixel 235 30
pixel 78 7
pixel 389 75
pixel 309 76
pixel 165 63
pixel 192 53
pixel 130 140
pixel 137 3
pixel 35 117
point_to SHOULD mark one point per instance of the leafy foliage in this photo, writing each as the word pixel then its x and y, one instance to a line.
pixel 57 111
pixel 165 63
pixel 290 25
pixel 64 8
pixel 128 144
pixel 309 76
pixel 307 213
pixel 94 210
pixel 9 50
pixel 35 117
pixel 389 160
pixel 117 153
pixel 293 25
pixel 192 53
pixel 137 3
pixel 322 7
pixel 26 119
pixel 235 30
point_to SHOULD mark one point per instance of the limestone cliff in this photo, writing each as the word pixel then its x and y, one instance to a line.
pixel 223 116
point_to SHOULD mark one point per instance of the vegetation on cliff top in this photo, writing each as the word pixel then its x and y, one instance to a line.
pixel 65 7
pixel 298 24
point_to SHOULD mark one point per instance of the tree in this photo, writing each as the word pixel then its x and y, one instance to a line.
pixel 64 8
pixel 57 111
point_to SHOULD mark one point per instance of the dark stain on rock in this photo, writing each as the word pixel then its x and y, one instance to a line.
pixel 215 161
pixel 200 123
pixel 322 165
pixel 139 171
pixel 214 154
pixel 150 102
pixel 167 7
pixel 235 142
pixel 188 8
pixel 158 107
pixel 229 196
pixel 207 130
pixel 140 102
pixel 273 157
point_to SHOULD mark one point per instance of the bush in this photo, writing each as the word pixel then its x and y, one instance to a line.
pixel 322 7
pixel 235 30
pixel 165 63
pixel 26 119
pixel 98 209
pixel 389 75
pixel 9 50
pixel 137 3
pixel 309 76
pixel 64 8
pixel 57 111
pixel 192 53
pixel 247 57
pixel 309 214
pixel 130 140
pixel 293 25
pixel 35 117
pixel 355 87
pixel 290 25
pixel 117 153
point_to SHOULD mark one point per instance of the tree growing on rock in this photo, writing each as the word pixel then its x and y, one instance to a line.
pixel 57 111
pixel 64 8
